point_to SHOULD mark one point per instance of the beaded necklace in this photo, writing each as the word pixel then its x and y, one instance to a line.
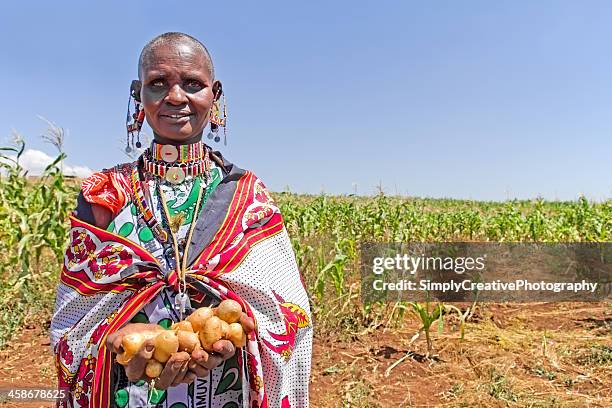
pixel 175 163
pixel 182 153
pixel 181 300
pixel 172 173
pixel 176 173
pixel 145 211
pixel 168 241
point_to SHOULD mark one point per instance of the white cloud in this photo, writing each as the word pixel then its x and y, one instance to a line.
pixel 36 161
pixel 78 171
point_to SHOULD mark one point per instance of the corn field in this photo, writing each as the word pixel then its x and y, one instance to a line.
pixel 326 233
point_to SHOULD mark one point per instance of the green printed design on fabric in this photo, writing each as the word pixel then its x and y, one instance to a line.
pixel 157 396
pixel 140 317
pixel 230 379
pixel 133 209
pixel 111 226
pixel 216 179
pixel 231 404
pixel 165 323
pixel 145 234
pixel 122 397
pixel 189 205
pixel 178 405
pixel 126 229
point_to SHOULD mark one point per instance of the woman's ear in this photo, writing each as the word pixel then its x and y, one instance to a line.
pixel 136 89
pixel 217 90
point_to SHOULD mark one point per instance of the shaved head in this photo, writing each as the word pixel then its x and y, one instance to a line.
pixel 174 39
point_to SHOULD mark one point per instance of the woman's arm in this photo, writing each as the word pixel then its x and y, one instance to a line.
pixel 102 216
pixel 92 213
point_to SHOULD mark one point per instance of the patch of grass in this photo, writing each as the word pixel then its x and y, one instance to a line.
pixel 455 390
pixel 568 381
pixel 357 394
pixel 45 371
pixel 11 318
pixel 32 303
pixel 500 388
pixel 597 355
pixel 544 373
pixel 550 403
pixel 336 368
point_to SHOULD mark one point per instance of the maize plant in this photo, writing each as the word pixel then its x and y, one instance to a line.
pixel 33 226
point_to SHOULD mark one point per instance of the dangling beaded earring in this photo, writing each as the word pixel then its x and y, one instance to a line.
pixel 134 121
pixel 218 118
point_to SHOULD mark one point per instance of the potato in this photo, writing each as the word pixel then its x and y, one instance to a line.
pixel 188 341
pixel 210 333
pixel 236 335
pixel 124 358
pixel 229 310
pixel 224 329
pixel 183 325
pixel 199 317
pixel 133 342
pixel 166 343
pixel 153 368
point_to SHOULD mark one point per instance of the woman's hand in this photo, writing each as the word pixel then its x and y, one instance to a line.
pixel 202 362
pixel 181 367
pixel 136 367
pixel 175 371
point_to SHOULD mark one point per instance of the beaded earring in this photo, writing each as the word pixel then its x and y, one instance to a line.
pixel 218 118
pixel 134 121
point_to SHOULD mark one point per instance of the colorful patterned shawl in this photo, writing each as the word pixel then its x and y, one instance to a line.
pixel 240 250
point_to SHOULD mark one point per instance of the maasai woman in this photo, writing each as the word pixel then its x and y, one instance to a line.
pixel 179 228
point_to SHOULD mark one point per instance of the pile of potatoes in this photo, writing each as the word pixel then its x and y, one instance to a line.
pixel 204 327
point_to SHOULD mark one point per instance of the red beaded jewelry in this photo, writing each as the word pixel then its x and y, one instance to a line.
pixel 182 161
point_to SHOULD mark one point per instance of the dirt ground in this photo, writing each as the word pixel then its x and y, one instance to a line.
pixel 528 355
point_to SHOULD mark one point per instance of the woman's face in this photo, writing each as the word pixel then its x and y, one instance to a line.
pixel 177 92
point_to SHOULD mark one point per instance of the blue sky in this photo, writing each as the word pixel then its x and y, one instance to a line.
pixel 473 99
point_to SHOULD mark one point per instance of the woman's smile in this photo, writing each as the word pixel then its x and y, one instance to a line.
pixel 177 117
